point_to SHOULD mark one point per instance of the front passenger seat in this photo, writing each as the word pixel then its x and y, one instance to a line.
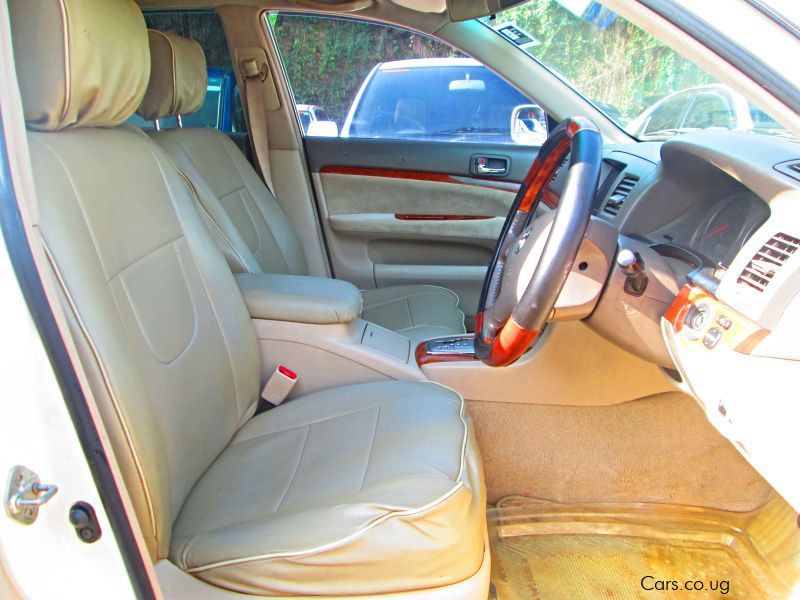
pixel 359 490
pixel 248 222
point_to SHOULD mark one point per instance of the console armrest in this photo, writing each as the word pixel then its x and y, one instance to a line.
pixel 300 299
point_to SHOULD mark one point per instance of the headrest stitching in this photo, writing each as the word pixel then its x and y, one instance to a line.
pixel 174 76
pixel 67 62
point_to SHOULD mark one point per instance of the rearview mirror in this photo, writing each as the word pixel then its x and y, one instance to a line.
pixel 323 129
pixel 467 85
pixel 528 125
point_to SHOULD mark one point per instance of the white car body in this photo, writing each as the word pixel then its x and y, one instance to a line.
pixel 319 124
pixel 740 110
pixel 419 63
pixel 533 135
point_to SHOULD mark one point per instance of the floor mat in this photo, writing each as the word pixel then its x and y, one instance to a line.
pixel 551 551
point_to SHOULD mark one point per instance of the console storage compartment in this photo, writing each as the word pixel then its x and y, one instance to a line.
pixel 299 299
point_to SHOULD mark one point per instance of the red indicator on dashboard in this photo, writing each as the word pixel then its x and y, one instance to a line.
pixel 717 231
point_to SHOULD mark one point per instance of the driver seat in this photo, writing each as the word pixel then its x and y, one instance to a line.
pixel 361 490
pixel 246 219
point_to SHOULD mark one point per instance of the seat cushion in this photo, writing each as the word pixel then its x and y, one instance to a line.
pixel 419 312
pixel 369 488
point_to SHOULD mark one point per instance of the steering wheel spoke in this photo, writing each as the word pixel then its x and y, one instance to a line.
pixel 509 322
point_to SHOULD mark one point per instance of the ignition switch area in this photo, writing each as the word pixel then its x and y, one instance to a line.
pixel 696 320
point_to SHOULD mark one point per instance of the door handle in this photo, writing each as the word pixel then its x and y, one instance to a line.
pixel 496 166
pixel 484 170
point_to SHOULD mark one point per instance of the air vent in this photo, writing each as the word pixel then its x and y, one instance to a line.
pixel 766 262
pixel 619 195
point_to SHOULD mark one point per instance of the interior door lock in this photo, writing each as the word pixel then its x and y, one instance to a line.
pixel 25 494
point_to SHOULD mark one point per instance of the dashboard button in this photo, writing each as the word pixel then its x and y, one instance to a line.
pixel 724 322
pixel 712 338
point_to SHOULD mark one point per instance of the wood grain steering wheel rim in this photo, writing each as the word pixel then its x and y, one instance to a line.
pixel 501 339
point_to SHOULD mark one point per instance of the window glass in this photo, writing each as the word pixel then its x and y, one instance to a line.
pixel 668 115
pixel 305 119
pixel 623 70
pixel 397 85
pixel 762 120
pixel 710 110
pixel 222 107
pixel 203 26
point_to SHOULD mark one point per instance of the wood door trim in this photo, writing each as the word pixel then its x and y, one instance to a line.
pixel 422 217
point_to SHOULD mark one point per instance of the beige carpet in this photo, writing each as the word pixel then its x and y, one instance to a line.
pixel 660 449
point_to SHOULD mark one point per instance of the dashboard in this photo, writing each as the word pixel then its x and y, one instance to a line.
pixel 715 230
pixel 706 220
pixel 714 217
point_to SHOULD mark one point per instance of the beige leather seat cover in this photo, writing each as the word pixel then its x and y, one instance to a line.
pixel 366 488
pixel 247 221
pixel 352 485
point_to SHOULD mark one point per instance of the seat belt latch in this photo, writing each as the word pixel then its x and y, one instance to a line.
pixel 279 385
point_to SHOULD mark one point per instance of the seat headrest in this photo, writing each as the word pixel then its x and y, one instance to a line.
pixel 79 63
pixel 178 77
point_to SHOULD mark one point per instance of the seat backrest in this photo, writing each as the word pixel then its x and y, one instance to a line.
pixel 160 327
pixel 243 215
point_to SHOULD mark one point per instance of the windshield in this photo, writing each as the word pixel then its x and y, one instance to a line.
pixel 647 88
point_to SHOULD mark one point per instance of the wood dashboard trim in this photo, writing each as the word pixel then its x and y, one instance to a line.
pixel 550 198
pixel 505 186
pixel 426 358
pixel 742 335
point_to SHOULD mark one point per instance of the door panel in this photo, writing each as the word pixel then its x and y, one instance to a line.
pixel 450 158
pixel 399 212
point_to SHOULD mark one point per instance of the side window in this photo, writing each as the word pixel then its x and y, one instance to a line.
pixel 222 108
pixel 710 110
pixel 361 80
pixel 668 115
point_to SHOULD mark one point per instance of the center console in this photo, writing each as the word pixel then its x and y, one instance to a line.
pixel 312 326
pixel 446 349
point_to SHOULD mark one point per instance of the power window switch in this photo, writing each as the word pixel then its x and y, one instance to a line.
pixel 712 338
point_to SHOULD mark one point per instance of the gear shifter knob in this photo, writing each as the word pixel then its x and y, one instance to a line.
pixel 629 261
pixel 632 265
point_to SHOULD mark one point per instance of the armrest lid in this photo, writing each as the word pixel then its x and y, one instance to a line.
pixel 299 298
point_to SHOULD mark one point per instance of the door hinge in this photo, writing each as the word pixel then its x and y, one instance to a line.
pixel 25 494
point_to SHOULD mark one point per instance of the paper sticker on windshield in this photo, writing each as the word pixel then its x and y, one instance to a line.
pixel 516 35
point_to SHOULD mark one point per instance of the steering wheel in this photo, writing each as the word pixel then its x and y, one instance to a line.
pixel 515 304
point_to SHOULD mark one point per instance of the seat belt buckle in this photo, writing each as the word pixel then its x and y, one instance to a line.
pixel 279 385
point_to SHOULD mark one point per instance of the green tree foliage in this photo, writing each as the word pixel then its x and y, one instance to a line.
pixel 327 59
pixel 203 26
pixel 621 65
